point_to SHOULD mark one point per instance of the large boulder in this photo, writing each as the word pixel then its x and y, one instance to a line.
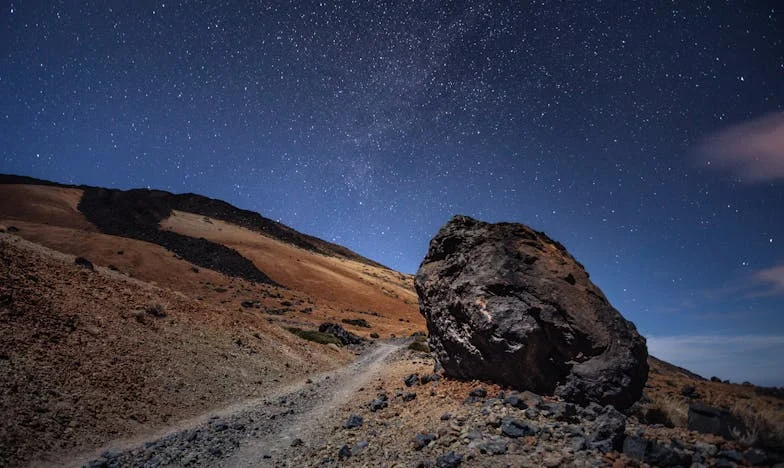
pixel 508 304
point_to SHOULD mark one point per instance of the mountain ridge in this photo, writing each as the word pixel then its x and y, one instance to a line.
pixel 163 202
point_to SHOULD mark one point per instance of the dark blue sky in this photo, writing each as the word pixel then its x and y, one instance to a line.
pixel 648 137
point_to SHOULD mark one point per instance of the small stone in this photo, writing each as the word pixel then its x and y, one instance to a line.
pixel 353 421
pixel 578 444
pixel 515 401
pixel 515 428
pixel 344 452
pixel 411 380
pixel 494 447
pixel 297 442
pixel 409 396
pixel 706 448
pixel 378 404
pixel 446 417
pixel 359 446
pixel 422 440
pixel 449 460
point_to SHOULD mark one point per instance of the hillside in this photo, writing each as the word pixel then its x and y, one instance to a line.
pixel 112 369
pixel 144 327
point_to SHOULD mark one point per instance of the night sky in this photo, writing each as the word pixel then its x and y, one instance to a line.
pixel 648 137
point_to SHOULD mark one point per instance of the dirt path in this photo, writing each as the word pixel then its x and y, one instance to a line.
pixel 261 432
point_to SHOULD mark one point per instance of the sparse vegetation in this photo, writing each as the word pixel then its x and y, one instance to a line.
pixel 672 409
pixel 420 346
pixel 357 322
pixel 764 429
pixel 156 309
pixel 315 336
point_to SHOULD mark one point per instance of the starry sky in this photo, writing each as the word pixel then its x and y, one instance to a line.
pixel 648 137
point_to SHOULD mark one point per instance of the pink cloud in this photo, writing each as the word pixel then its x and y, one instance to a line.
pixel 773 279
pixel 752 150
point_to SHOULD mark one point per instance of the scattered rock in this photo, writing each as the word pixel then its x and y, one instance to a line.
pixel 653 453
pixel 375 335
pixel 379 403
pixel 84 263
pixel 515 428
pixel 411 380
pixel 514 400
pixel 248 304
pixel 559 411
pixel 409 396
pixel 494 447
pixel 579 444
pixel 449 460
pixel 353 421
pixel 477 394
pixel 497 309
pixel 427 378
pixel 358 447
pixel 12 229
pixel 706 448
pixel 422 440
pixel 344 452
pixel 297 442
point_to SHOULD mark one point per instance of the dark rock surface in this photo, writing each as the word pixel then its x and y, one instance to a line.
pixel 608 430
pixel 84 263
pixel 216 209
pixel 508 304
pixel 709 420
pixel 353 422
pixel 136 214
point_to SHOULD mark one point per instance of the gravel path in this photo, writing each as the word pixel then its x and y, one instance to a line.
pixel 261 432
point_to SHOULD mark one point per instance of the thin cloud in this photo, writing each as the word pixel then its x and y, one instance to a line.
pixel 752 151
pixel 736 357
pixel 761 283
pixel 772 279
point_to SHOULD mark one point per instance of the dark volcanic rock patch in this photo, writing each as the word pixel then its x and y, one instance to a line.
pixel 508 304
pixel 137 213
pixel 217 209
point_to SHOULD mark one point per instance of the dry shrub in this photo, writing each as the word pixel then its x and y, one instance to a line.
pixel 672 408
pixel 156 309
pixel 764 429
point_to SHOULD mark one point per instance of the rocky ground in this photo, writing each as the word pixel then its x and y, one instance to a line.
pixel 388 409
pixel 268 431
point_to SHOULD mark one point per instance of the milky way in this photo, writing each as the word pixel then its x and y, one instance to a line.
pixel 371 123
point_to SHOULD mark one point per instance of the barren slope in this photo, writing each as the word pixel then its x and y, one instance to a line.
pixel 83 362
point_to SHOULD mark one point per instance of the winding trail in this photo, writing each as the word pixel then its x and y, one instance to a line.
pixel 258 432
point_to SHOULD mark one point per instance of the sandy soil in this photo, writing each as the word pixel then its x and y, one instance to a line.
pixel 82 362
